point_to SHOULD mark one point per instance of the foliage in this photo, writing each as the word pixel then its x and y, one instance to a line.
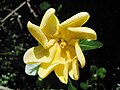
pixel 94 82
pixel 90 44
pixel 70 86
pixel 13 33
pixel 6 78
pixel 44 6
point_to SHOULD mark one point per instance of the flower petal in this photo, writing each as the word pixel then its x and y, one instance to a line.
pixel 37 33
pixel 61 72
pixel 76 20
pixel 63 58
pixel 46 16
pixel 81 33
pixel 74 70
pixel 60 56
pixel 49 23
pixel 79 54
pixel 45 69
pixel 39 54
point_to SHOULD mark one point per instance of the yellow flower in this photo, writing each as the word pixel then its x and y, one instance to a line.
pixel 59 50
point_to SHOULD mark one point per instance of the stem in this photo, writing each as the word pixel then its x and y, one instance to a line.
pixel 31 10
pixel 6 53
pixel 16 9
pixel 12 12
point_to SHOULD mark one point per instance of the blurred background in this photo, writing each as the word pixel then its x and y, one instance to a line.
pixel 15 39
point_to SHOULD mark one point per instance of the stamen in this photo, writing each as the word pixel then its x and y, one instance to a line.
pixel 62 43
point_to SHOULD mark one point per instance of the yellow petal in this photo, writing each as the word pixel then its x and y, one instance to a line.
pixel 49 23
pixel 64 55
pixel 37 33
pixel 61 72
pixel 81 33
pixel 60 55
pixel 63 58
pixel 39 54
pixel 45 69
pixel 46 16
pixel 79 54
pixel 74 70
pixel 76 20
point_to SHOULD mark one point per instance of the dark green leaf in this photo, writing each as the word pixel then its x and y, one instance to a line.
pixel 101 72
pixel 70 86
pixel 94 77
pixel 44 6
pixel 90 44
pixel 84 85
pixel 59 7
pixel 31 69
pixel 93 69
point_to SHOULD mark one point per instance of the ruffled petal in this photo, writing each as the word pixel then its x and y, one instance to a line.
pixel 37 33
pixel 76 20
pixel 39 54
pixel 74 70
pixel 63 58
pixel 81 33
pixel 46 16
pixel 61 72
pixel 45 69
pixel 79 54
pixel 49 23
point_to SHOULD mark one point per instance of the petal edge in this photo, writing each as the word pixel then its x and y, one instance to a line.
pixel 37 33
pixel 80 55
pixel 76 20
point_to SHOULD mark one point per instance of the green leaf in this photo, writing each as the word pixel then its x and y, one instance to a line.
pixel 59 7
pixel 31 69
pixel 44 6
pixel 101 72
pixel 84 85
pixel 90 44
pixel 93 69
pixel 94 77
pixel 70 86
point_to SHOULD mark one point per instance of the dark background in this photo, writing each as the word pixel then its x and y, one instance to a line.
pixel 104 20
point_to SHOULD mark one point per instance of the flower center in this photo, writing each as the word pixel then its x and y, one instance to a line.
pixel 62 42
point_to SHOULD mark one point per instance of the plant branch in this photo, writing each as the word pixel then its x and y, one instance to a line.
pixel 12 12
pixel 31 10
pixel 18 17
pixel 16 9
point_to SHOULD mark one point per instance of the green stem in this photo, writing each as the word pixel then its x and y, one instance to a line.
pixel 6 53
